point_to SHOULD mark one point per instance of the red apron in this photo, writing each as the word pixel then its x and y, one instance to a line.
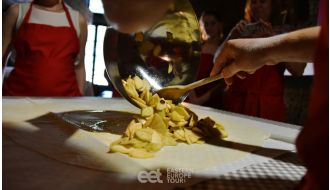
pixel 45 57
pixel 260 94
pixel 313 140
pixel 204 71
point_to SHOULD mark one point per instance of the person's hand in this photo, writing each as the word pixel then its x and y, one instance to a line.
pixel 265 29
pixel 243 29
pixel 239 27
pixel 237 30
pixel 241 57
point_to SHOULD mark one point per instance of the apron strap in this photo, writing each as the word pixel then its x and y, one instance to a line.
pixel 28 14
pixel 68 16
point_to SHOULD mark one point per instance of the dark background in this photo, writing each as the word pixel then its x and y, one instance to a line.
pixel 301 13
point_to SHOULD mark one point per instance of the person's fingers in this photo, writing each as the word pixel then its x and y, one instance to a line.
pixel 268 24
pixel 242 75
pixel 238 27
pixel 230 70
pixel 220 60
pixel 241 25
pixel 250 72
pixel 267 27
pixel 229 81
pixel 242 22
pixel 217 65
pixel 227 88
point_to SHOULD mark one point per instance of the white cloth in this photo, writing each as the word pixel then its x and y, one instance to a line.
pixel 34 170
pixel 39 16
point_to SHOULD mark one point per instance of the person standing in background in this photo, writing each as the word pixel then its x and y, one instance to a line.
pixel 262 93
pixel 211 27
pixel 48 40
pixel 305 45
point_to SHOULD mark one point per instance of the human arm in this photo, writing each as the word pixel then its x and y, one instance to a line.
pixel 296 69
pixel 248 55
pixel 8 31
pixel 80 67
pixel 131 16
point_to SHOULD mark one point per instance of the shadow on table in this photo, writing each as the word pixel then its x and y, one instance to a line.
pixel 258 150
pixel 53 137
pixel 114 122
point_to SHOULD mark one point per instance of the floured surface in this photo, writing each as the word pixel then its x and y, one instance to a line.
pixel 53 137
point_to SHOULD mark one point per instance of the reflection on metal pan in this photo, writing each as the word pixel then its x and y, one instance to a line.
pixel 166 54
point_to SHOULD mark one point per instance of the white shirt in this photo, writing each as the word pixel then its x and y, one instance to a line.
pixel 39 16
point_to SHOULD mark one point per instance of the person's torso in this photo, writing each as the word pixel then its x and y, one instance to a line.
pixel 39 16
pixel 45 57
pixel 260 94
pixel 313 141
pixel 204 70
